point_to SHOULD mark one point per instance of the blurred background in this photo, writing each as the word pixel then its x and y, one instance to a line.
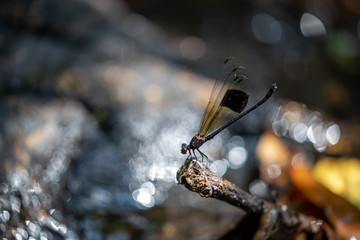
pixel 96 98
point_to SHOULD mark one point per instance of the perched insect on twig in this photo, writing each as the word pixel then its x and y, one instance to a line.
pixel 227 101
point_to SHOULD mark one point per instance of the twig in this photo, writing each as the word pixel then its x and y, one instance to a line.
pixel 275 222
pixel 203 180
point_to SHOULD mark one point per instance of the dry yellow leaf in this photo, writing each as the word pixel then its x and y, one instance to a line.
pixel 341 176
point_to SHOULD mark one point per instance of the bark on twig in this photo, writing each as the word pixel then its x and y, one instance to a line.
pixel 201 179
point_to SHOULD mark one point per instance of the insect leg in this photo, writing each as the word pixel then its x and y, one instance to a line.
pixel 194 154
pixel 202 154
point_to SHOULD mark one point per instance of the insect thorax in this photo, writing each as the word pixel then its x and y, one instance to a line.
pixel 196 141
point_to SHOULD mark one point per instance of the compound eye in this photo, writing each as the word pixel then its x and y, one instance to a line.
pixel 183 148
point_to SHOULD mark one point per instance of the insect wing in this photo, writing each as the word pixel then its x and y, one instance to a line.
pixel 228 97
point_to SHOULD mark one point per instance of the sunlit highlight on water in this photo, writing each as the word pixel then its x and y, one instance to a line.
pixel 333 134
pixel 301 124
pixel 311 26
pixel 219 167
pixel 158 157
pixel 145 195
pixel 266 28
pixel 27 199
pixel 235 141
pixel 148 187
pixel 237 157
pixel 258 188
pixel 299 132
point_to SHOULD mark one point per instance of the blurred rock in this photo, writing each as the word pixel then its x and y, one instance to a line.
pixel 39 137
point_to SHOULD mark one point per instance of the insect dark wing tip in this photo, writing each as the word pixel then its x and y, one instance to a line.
pixel 235 100
pixel 240 79
pixel 228 99
pixel 228 60
pixel 232 76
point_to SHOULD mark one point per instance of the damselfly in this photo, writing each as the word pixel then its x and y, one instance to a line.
pixel 228 99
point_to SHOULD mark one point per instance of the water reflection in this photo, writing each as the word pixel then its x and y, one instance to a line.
pixel 144 195
pixel 237 157
pixel 50 133
pixel 311 26
pixel 219 166
pixel 333 134
pixel 266 28
pixel 158 158
pixel 192 48
pixel 301 124
pixel 258 188
pixel 300 132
